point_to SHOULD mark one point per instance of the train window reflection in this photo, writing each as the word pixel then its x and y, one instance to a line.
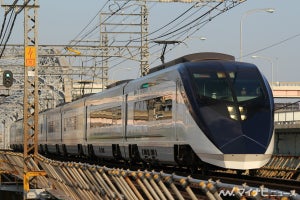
pixel 105 117
pixel 159 108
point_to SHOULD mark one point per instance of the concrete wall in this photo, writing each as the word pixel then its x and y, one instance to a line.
pixel 287 144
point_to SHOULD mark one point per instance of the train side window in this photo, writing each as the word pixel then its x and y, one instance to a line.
pixel 105 117
pixel 141 113
pixel 74 122
pixel 70 123
pixel 116 116
pixel 53 126
pixel 162 108
pixel 158 108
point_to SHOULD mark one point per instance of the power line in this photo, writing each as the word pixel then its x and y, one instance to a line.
pixel 273 45
pixel 166 33
pixel 4 32
pixel 5 15
pixel 178 33
pixel 164 26
pixel 188 27
pixel 5 39
pixel 90 22
pixel 188 23
pixel 14 14
pixel 4 20
pixel 91 31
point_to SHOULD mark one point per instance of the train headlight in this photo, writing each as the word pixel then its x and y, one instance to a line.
pixel 241 109
pixel 243 113
pixel 234 114
pixel 234 117
pixel 230 109
pixel 243 117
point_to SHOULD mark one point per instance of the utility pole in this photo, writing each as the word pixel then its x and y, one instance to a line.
pixel 31 98
pixel 144 63
pixel 139 30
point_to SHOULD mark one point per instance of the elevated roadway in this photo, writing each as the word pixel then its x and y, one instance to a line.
pixel 286 89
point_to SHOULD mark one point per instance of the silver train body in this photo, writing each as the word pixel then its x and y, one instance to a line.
pixel 185 112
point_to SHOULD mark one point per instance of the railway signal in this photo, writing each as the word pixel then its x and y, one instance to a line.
pixel 8 78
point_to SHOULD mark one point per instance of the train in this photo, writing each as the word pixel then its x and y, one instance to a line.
pixel 201 108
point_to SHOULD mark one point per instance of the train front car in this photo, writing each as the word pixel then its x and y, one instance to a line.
pixel 232 104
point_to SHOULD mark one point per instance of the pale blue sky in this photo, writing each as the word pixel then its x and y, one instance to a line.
pixel 61 20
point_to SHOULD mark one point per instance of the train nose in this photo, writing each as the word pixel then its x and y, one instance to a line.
pixel 243 145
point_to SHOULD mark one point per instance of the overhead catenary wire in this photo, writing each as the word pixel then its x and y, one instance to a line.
pixel 183 30
pixel 171 22
pixel 164 26
pixel 89 23
pixel 14 16
pixel 112 42
pixel 132 40
pixel 93 29
pixel 273 45
pixel 186 25
pixel 188 29
pixel 181 27
pixel 5 15
pixel 5 29
pixel 120 7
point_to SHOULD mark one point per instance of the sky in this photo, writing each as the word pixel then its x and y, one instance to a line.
pixel 274 37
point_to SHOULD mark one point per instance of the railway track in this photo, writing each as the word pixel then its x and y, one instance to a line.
pixel 255 181
pixel 81 177
pixel 244 181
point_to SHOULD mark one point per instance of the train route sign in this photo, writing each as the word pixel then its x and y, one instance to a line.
pixel 30 56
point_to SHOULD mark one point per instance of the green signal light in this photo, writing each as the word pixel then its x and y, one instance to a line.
pixel 7 78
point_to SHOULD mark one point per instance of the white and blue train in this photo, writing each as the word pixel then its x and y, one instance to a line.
pixel 199 108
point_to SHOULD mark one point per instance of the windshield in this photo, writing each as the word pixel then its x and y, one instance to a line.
pixel 232 87
pixel 246 84
pixel 217 84
pixel 212 85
